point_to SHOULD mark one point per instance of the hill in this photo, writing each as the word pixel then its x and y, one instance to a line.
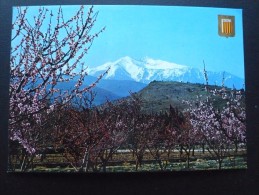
pixel 158 95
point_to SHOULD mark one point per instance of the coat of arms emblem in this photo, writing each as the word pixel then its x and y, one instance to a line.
pixel 226 26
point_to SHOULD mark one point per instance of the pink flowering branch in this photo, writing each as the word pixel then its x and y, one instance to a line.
pixel 47 50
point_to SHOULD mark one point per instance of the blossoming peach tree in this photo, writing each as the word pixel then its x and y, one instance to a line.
pixel 222 127
pixel 46 55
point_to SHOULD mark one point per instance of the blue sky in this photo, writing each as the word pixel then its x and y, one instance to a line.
pixel 183 35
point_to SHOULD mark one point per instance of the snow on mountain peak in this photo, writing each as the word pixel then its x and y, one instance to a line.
pixel 160 64
pixel 125 59
pixel 148 69
pixel 139 70
pixel 125 67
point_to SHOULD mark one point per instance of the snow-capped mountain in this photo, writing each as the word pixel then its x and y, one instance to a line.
pixel 147 70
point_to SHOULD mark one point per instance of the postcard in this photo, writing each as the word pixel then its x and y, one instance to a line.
pixel 126 88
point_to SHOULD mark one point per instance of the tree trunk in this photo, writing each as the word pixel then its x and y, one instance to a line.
pixel 236 148
pixel 24 161
pixel 188 159
pixel 136 165
pixel 220 164
pixel 84 166
pixel 160 164
pixel 104 166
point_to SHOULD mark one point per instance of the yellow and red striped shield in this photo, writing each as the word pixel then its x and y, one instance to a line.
pixel 226 26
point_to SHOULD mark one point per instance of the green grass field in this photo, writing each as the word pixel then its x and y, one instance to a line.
pixel 126 162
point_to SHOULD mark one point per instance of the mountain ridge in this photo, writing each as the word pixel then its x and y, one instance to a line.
pixel 148 69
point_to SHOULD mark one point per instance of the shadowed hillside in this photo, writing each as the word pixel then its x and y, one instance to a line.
pixel 158 95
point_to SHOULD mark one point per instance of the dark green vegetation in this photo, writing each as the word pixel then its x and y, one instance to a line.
pixel 159 95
